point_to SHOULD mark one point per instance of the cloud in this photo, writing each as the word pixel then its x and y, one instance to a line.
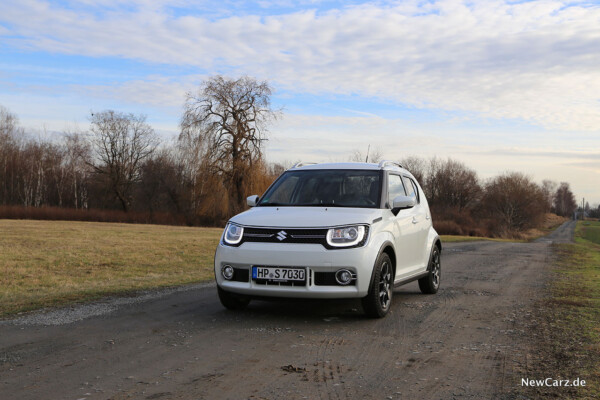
pixel 334 138
pixel 156 91
pixel 586 155
pixel 532 61
pixel 592 166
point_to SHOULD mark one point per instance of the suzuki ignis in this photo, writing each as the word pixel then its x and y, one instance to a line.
pixel 337 230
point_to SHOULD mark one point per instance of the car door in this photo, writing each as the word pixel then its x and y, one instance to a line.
pixel 421 222
pixel 404 230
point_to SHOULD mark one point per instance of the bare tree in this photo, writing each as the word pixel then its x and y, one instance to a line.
pixel 564 200
pixel 9 154
pixel 373 155
pixel 549 189
pixel 276 169
pixel 450 183
pixel 416 166
pixel 515 201
pixel 595 211
pixel 229 118
pixel 8 123
pixel 120 143
pixel 77 160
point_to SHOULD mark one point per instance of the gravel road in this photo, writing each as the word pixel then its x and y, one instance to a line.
pixel 465 342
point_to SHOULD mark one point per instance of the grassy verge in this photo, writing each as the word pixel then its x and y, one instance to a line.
pixel 551 222
pixel 51 263
pixel 459 238
pixel 570 328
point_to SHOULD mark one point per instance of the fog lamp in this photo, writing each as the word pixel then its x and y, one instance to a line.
pixel 343 277
pixel 227 272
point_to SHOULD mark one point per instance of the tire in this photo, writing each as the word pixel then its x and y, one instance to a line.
pixel 379 300
pixel 431 283
pixel 232 301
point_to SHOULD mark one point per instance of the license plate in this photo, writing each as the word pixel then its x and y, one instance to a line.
pixel 279 274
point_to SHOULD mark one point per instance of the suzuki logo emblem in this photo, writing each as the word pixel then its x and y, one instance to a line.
pixel 282 235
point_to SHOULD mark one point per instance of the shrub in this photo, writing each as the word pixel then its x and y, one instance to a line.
pixel 513 202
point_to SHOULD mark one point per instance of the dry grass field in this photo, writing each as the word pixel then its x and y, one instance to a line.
pixel 50 263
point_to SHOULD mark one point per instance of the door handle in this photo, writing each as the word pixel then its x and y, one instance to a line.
pixel 427 216
pixel 414 221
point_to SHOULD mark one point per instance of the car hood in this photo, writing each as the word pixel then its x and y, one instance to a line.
pixel 305 217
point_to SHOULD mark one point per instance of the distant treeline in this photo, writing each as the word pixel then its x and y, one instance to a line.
pixel 65 180
pixel 120 171
pixel 503 206
pixel 120 165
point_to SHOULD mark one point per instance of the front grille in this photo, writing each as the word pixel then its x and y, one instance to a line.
pixel 292 235
pixel 271 235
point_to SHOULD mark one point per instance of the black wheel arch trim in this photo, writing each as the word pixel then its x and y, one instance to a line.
pixel 384 246
pixel 436 241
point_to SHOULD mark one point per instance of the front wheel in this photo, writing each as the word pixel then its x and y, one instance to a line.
pixel 431 283
pixel 232 301
pixel 377 303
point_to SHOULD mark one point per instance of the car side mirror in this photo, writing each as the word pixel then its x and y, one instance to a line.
pixel 403 202
pixel 252 200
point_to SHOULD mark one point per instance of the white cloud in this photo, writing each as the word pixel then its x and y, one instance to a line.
pixel 156 91
pixel 535 61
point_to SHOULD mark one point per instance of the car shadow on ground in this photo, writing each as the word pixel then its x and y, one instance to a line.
pixel 327 310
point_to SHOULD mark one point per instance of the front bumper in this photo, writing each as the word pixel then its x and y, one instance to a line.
pixel 314 257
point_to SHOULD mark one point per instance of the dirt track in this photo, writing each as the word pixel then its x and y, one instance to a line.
pixel 464 342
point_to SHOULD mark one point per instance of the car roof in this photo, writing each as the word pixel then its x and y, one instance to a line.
pixel 385 165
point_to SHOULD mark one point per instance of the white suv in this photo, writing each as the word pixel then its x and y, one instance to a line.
pixel 339 230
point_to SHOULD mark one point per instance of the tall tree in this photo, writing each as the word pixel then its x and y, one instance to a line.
pixel 549 188
pixel 77 160
pixel 120 143
pixel 230 117
pixel 564 200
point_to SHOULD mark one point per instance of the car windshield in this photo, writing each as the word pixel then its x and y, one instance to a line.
pixel 331 188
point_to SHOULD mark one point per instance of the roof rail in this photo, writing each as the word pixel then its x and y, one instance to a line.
pixel 385 163
pixel 302 164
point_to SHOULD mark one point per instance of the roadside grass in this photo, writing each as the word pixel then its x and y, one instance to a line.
pixel 571 329
pixel 460 238
pixel 589 230
pixel 551 222
pixel 52 263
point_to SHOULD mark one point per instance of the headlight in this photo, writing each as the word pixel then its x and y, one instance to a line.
pixel 233 234
pixel 345 236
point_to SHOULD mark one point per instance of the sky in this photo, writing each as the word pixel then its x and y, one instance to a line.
pixel 499 85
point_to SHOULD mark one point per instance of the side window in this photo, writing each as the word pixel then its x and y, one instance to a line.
pixel 414 185
pixel 411 188
pixel 395 188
